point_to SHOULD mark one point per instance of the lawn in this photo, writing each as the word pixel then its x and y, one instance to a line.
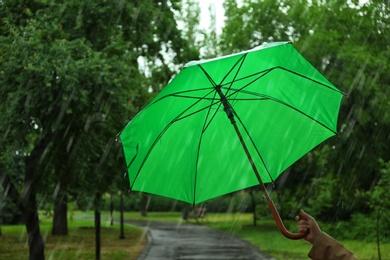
pixel 80 243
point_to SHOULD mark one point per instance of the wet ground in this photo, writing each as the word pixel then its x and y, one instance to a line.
pixel 186 241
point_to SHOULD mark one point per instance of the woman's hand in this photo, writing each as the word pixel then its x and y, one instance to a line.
pixel 307 224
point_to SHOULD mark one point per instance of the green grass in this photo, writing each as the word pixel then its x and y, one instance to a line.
pixel 79 244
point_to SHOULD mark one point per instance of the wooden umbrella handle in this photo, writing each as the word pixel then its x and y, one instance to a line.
pixel 279 223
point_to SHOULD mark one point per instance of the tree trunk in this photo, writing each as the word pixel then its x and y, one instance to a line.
pixel 111 212
pixel 35 241
pixel 122 234
pixel 60 221
pixel 253 207
pixel 280 197
pixel 144 204
pixel 97 227
pixel 30 214
pixel 377 235
pixel 12 192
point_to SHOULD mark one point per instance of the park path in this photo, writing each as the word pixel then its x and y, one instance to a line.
pixel 185 241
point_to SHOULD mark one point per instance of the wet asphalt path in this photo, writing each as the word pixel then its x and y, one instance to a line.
pixel 186 241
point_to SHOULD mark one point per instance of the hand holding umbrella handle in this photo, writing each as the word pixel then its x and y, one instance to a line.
pixel 279 222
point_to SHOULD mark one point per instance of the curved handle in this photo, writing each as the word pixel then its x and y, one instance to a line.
pixel 279 223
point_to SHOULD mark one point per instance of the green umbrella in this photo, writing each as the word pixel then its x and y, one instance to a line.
pixel 229 123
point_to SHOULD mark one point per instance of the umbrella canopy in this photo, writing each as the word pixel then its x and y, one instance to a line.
pixel 182 145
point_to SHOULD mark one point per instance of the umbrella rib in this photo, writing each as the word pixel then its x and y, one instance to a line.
pixel 254 145
pixel 177 94
pixel 315 81
pixel 264 97
pixel 208 76
pixel 193 97
pixel 249 99
pixel 205 126
pixel 197 111
pixel 235 76
pixel 263 72
pixel 216 110
pixel 301 112
pixel 132 160
pixel 241 61
pixel 279 67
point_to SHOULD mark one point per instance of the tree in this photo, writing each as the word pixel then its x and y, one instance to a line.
pixel 380 203
pixel 70 81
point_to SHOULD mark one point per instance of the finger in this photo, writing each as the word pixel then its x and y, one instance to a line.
pixel 303 230
pixel 303 215
pixel 303 222
pixel 304 225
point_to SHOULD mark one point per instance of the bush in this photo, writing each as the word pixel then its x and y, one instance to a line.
pixel 9 213
pixel 237 202
pixel 360 227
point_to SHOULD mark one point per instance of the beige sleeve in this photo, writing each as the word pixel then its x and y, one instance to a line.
pixel 327 247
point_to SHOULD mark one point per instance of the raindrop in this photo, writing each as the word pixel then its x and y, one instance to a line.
pixel 28 98
pixel 56 190
pixel 69 144
pixel 6 132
